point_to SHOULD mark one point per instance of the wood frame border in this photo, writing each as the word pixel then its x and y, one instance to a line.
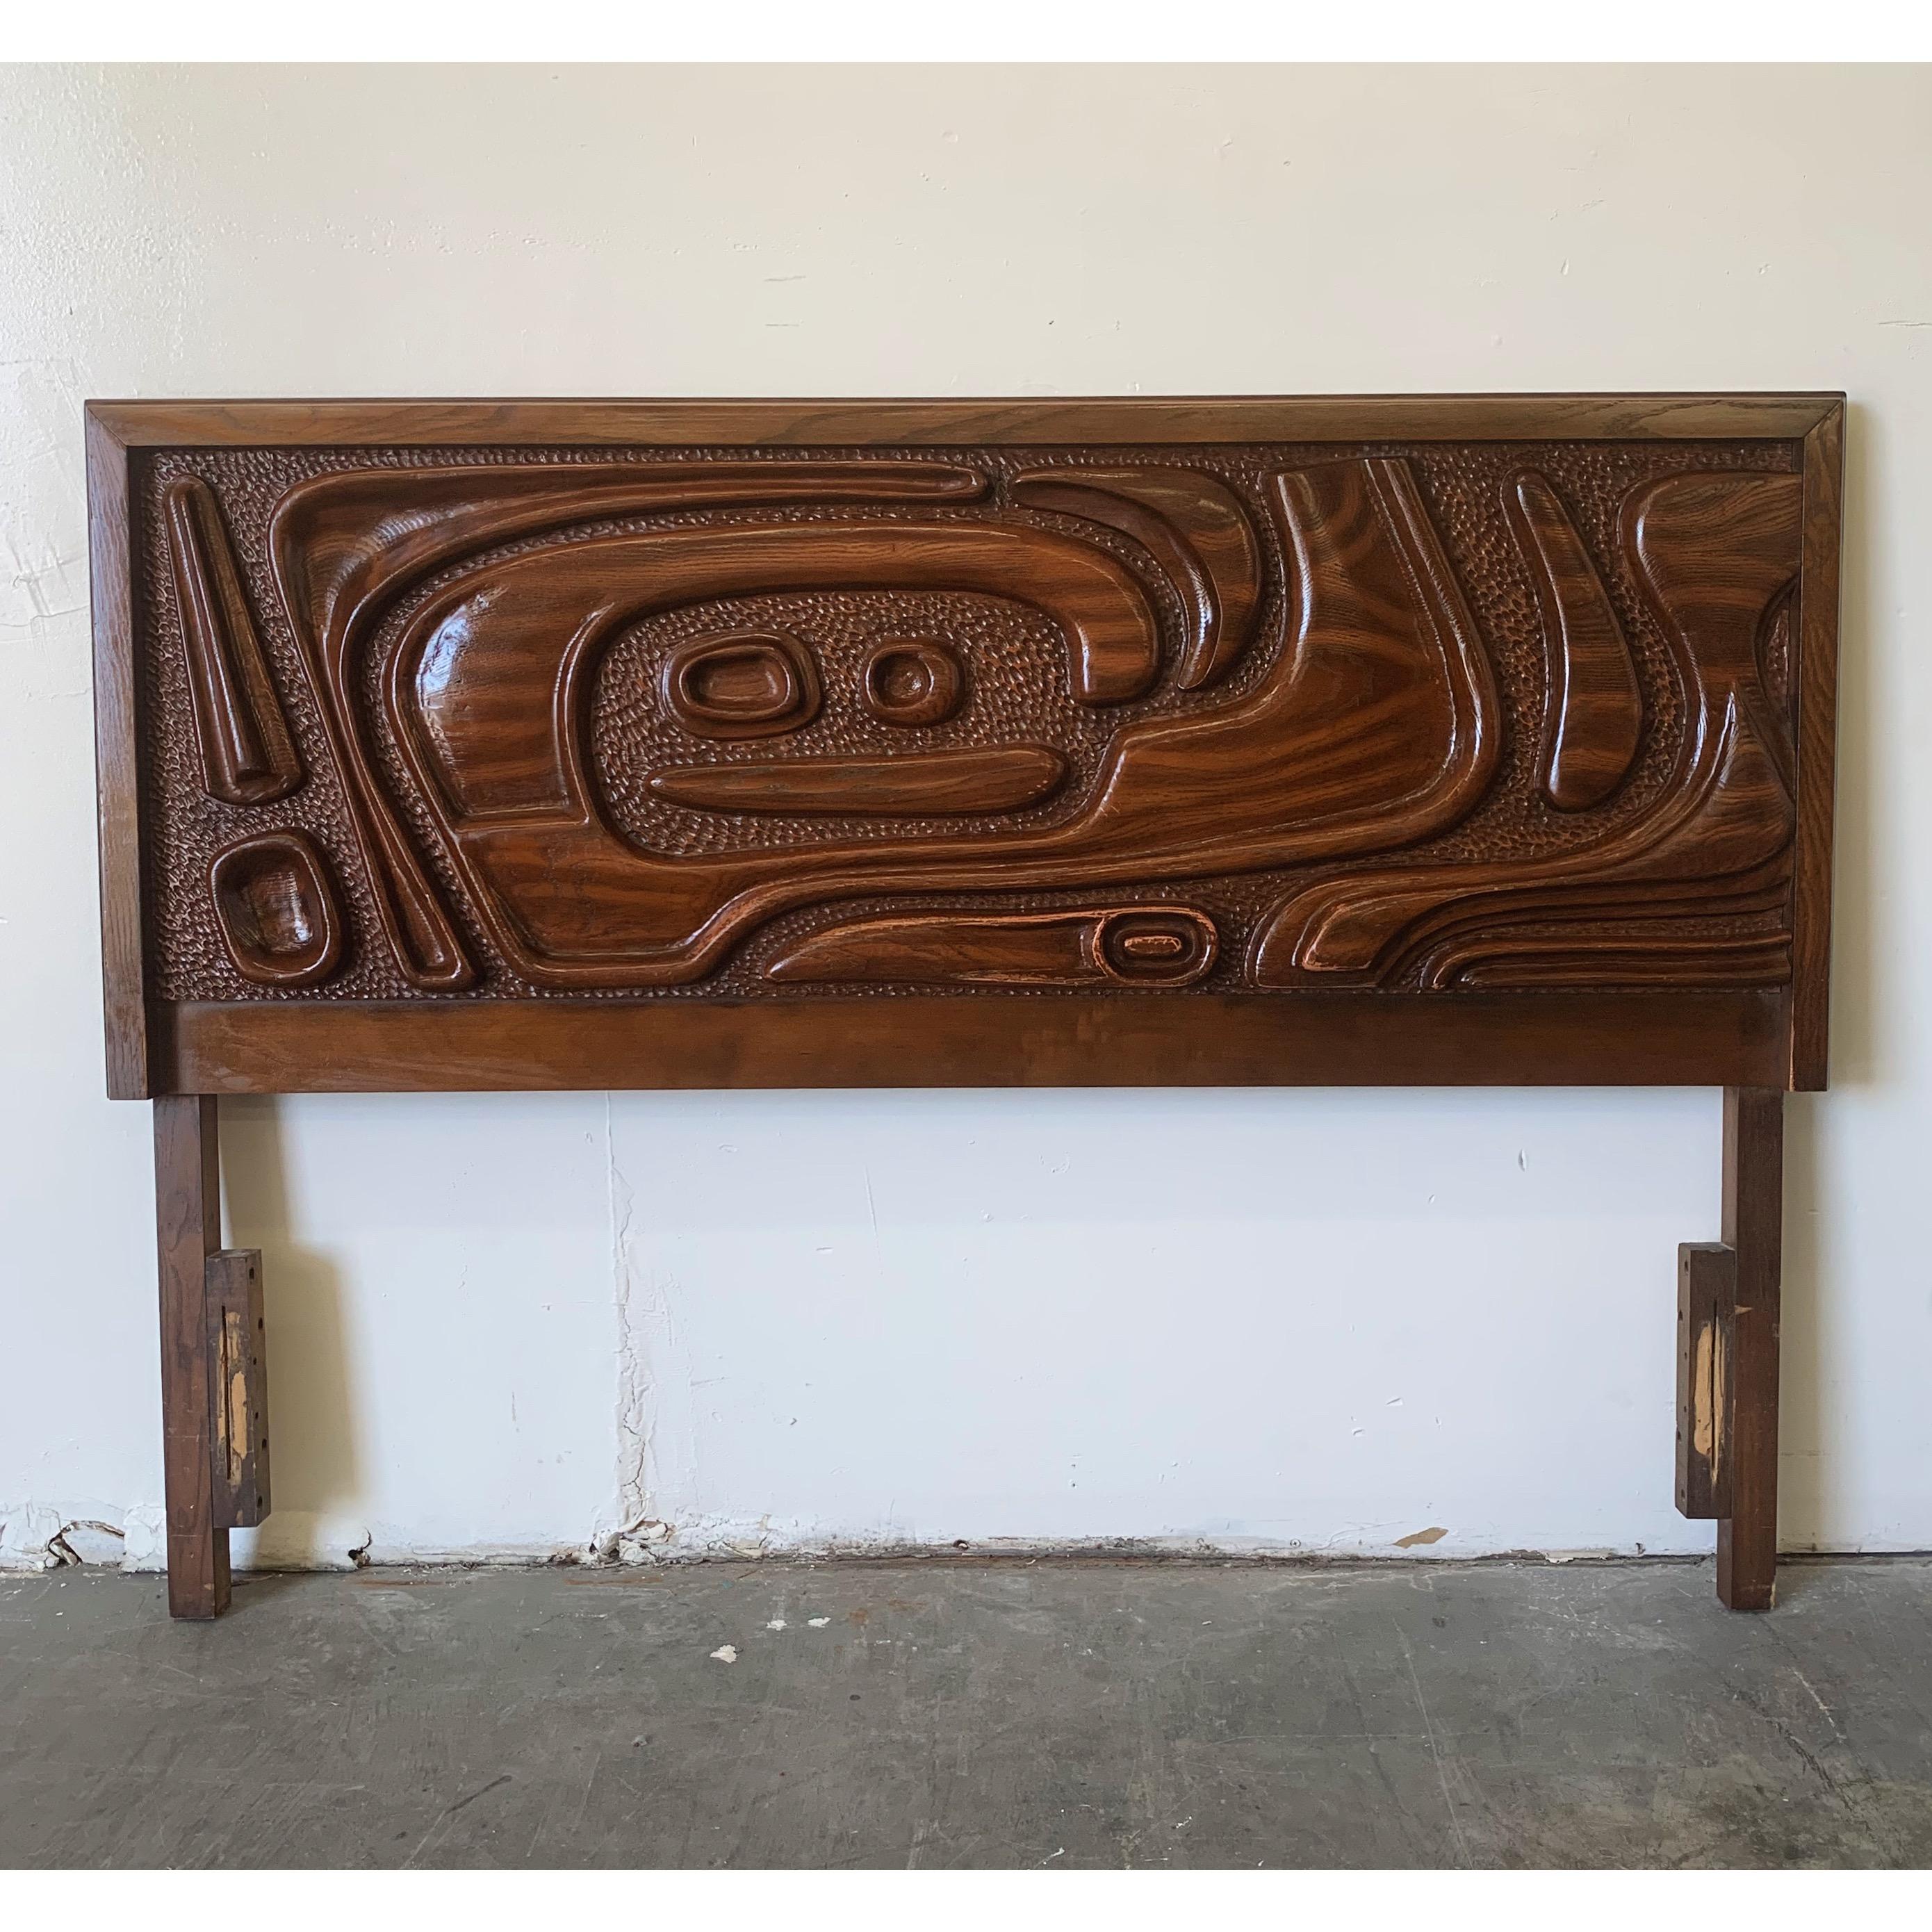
pixel 248 1048
pixel 117 751
pixel 1467 418
pixel 1311 1040
pixel 1817 620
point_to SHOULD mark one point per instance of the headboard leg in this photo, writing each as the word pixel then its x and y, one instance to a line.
pixel 1727 1316
pixel 187 1214
pixel 1754 1229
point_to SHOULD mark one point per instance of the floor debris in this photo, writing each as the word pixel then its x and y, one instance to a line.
pixel 1607 1715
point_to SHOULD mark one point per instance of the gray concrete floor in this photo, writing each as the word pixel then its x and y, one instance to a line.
pixel 938 1713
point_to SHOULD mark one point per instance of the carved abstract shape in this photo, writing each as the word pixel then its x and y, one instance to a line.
pixel 277 909
pixel 1718 556
pixel 1193 526
pixel 246 756
pixel 743 684
pixel 1713 552
pixel 912 681
pixel 502 657
pixel 1594 712
pixel 908 785
pixel 1146 945
pixel 347 546
pixel 1376 723
pixel 1739 959
pixel 1777 670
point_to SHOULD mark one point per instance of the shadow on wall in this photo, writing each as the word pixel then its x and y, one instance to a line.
pixel 315 1474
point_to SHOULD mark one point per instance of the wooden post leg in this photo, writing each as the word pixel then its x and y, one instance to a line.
pixel 1754 1231
pixel 187 1213
pixel 1727 1313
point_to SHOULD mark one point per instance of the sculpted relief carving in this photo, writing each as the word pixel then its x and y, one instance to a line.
pixel 1714 554
pixel 999 721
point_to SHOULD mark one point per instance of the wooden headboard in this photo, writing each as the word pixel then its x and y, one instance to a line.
pixel 1393 740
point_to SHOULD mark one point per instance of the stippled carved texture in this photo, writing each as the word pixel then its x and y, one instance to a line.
pixel 496 754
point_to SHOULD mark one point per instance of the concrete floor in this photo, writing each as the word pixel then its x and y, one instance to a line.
pixel 1067 1715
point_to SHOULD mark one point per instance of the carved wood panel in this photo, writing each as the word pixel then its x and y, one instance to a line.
pixel 648 722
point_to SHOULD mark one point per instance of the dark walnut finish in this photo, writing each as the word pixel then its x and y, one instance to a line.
pixel 1245 740
pixel 238 1350
pixel 187 1213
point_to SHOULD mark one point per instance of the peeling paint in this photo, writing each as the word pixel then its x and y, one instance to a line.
pixel 89 1541
pixel 724 1541
pixel 43 557
pixel 41 1536
pixel 637 1543
pixel 35 1536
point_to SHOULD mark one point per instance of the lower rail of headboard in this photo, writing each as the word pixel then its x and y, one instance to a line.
pixel 1593 1038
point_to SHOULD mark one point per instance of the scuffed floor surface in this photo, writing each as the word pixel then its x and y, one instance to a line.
pixel 1078 1713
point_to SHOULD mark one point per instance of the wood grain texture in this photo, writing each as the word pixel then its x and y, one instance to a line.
pixel 1376 723
pixel 1818 602
pixel 912 784
pixel 117 754
pixel 1707 1277
pixel 1594 711
pixel 1714 554
pixel 278 910
pixel 1753 1227
pixel 1025 420
pixel 238 1371
pixel 188 1216
pixel 1132 945
pixel 1195 526
pixel 912 681
pixel 246 756
pixel 346 547
pixel 740 684
pixel 1121 1039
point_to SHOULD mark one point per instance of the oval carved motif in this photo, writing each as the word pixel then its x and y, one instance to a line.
pixel 277 909
pixel 742 684
pixel 912 681
pixel 1155 947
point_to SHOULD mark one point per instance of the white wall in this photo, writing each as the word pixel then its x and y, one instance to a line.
pixel 1327 1319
